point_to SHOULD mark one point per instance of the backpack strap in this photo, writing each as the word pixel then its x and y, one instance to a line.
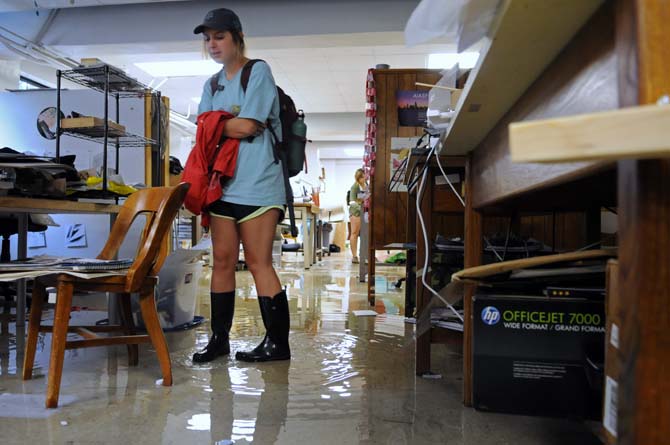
pixel 289 196
pixel 214 82
pixel 246 73
pixel 244 80
pixel 278 155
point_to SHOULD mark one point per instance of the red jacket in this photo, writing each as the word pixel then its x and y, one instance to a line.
pixel 205 168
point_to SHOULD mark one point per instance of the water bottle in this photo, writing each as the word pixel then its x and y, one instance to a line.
pixel 296 146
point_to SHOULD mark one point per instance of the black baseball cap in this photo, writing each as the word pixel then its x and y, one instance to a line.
pixel 221 19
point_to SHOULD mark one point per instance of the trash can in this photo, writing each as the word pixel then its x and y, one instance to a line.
pixel 326 230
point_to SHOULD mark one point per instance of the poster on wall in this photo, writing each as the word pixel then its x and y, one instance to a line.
pixel 400 151
pixel 412 108
pixel 76 236
pixel 37 240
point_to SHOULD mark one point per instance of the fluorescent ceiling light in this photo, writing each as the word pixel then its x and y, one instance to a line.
pixel 181 68
pixel 465 60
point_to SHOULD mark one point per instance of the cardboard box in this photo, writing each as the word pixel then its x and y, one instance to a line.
pixel 535 355
pixel 92 126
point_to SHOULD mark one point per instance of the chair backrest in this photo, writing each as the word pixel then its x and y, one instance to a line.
pixel 160 206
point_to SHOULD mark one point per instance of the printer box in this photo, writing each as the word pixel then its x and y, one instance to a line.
pixel 538 355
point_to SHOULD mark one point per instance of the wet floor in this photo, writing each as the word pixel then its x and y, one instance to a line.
pixel 351 381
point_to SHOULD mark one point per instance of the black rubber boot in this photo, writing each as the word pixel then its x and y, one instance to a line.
pixel 223 308
pixel 276 319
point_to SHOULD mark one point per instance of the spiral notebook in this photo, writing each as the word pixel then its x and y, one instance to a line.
pixel 90 265
pixel 45 262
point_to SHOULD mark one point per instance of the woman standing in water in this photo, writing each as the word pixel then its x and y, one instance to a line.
pixel 253 200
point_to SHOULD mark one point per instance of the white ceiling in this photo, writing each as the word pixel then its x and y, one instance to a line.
pixel 323 74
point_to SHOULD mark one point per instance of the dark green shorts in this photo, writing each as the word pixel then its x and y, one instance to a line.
pixel 241 213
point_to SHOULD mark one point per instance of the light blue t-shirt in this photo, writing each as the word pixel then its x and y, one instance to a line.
pixel 258 180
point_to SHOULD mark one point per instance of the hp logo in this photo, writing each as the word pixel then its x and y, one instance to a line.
pixel 490 315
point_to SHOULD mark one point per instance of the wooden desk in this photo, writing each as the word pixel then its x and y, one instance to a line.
pixel 551 59
pixel 23 207
pixel 308 214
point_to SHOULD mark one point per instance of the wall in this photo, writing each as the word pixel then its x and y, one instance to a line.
pixel 18 130
pixel 340 160
pixel 9 74
pixel 180 144
pixel 339 179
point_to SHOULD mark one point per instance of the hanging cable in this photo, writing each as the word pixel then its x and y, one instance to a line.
pixel 395 179
pixel 424 169
pixel 422 223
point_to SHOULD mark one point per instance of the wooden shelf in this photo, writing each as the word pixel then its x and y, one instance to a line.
pixel 59 206
pixel 561 193
pixel 527 36
pixel 636 132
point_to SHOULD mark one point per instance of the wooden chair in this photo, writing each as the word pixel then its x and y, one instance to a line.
pixel 160 205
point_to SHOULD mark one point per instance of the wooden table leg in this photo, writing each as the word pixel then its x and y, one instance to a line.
pixel 364 248
pixel 21 285
pixel 410 280
pixel 473 257
pixel 372 270
pixel 411 236
pixel 644 283
pixel 305 237
pixel 643 39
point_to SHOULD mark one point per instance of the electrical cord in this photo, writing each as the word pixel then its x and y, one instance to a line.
pixel 416 179
pixel 509 232
pixel 490 246
pixel 424 169
pixel 422 223
pixel 395 180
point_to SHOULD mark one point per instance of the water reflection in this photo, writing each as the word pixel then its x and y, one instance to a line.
pixel 329 391
pixel 232 415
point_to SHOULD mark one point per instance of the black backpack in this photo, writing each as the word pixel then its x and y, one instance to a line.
pixel 292 160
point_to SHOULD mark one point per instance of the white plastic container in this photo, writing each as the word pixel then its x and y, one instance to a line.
pixel 177 289
pixel 276 252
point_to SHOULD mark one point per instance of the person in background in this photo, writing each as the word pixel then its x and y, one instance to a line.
pixel 253 200
pixel 359 188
